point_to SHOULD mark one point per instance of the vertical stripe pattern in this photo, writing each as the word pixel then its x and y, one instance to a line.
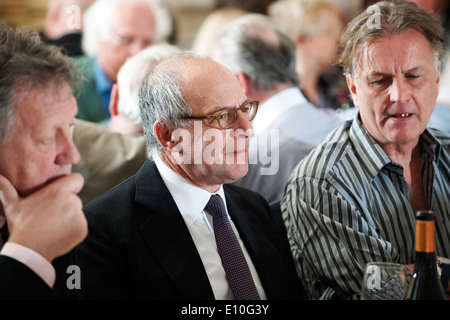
pixel 347 204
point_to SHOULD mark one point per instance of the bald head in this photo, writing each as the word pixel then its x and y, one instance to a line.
pixel 183 85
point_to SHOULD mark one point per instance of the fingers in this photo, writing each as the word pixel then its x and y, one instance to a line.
pixel 69 183
pixel 8 193
pixel 49 221
pixel 72 183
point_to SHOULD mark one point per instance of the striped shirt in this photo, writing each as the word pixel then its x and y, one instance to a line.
pixel 347 204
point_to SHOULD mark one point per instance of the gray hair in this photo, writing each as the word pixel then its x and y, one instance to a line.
pixel 393 17
pixel 253 45
pixel 99 17
pixel 133 72
pixel 161 98
pixel 25 61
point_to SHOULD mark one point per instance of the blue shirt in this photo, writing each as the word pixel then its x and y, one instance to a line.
pixel 104 86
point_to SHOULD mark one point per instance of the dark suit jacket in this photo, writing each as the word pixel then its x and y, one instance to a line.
pixel 17 281
pixel 139 246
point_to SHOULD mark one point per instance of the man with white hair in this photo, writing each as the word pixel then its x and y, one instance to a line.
pixel 124 104
pixel 114 30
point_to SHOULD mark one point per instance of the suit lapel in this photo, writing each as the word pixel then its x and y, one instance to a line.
pixel 167 236
pixel 245 220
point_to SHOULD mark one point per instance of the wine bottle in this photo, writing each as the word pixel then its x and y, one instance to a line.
pixel 425 283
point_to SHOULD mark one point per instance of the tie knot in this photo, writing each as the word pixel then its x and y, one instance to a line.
pixel 215 207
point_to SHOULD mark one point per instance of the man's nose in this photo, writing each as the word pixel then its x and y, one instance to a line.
pixel 399 91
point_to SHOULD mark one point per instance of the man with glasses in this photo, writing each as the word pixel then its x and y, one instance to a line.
pixel 114 30
pixel 156 235
pixel 263 60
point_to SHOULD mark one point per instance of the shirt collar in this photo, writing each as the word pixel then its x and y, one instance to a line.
pixel 374 157
pixel 276 106
pixel 101 80
pixel 190 199
pixel 431 144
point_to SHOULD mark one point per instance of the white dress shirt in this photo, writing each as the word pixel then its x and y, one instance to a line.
pixel 290 112
pixel 286 129
pixel 191 200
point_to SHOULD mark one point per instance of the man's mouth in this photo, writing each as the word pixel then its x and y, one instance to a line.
pixel 402 115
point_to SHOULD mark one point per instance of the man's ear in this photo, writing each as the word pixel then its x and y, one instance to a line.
pixel 244 81
pixel 163 134
pixel 352 87
pixel 114 101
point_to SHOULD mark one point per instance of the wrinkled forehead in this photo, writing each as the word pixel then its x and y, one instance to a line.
pixel 45 100
pixel 406 50
pixel 206 83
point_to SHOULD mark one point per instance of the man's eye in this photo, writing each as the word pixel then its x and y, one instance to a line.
pixel 379 81
pixel 223 116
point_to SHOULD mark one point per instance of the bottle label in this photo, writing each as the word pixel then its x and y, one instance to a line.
pixel 425 241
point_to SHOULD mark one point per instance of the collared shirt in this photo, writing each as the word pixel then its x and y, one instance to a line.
pixel 282 128
pixel 104 86
pixel 191 200
pixel 347 204
pixel 311 124
pixel 30 258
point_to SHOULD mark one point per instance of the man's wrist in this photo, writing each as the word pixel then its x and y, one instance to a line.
pixel 33 260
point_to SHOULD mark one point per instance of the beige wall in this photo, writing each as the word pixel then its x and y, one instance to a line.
pixel 23 12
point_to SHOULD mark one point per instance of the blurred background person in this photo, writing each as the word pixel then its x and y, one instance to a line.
pixel 315 26
pixel 114 30
pixel 107 157
pixel 63 25
pixel 223 12
pixel 206 37
pixel 263 60
pixel 253 6
pixel 124 104
pixel 441 8
pixel 440 118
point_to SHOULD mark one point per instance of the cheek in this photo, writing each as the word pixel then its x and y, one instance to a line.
pixel 36 173
pixel 113 57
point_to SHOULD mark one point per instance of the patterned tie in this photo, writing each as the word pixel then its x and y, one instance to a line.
pixel 230 251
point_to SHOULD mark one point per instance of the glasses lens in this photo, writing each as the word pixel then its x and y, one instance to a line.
pixel 226 119
pixel 249 110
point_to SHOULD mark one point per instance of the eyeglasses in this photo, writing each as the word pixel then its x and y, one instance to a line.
pixel 128 40
pixel 226 118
